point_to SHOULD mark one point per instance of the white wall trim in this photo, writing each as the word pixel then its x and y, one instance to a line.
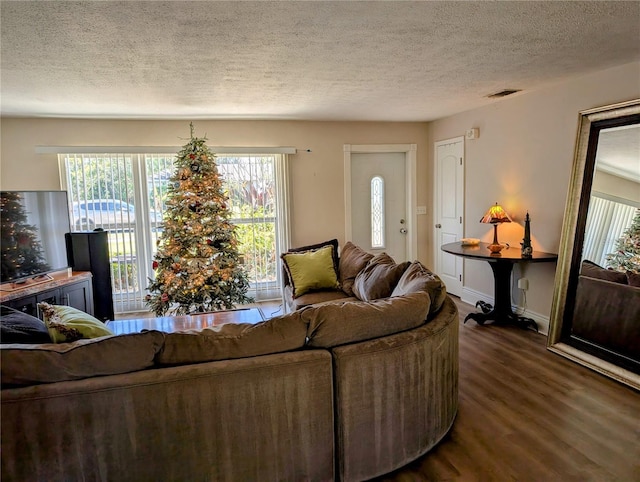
pixel 410 152
pixel 158 149
pixel 470 297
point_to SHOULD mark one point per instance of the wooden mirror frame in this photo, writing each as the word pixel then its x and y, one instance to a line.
pixel 572 237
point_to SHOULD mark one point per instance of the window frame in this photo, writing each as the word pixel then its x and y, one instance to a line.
pixel 141 187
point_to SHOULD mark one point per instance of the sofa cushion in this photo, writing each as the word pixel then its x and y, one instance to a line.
pixel 313 247
pixel 378 278
pixel 311 270
pixel 633 279
pixel 234 340
pixel 353 259
pixel 313 297
pixel 48 363
pixel 19 327
pixel 592 270
pixel 338 323
pixel 418 278
pixel 66 324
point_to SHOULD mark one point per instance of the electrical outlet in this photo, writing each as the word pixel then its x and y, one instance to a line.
pixel 523 284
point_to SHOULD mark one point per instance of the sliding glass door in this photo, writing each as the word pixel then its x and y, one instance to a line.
pixel 124 194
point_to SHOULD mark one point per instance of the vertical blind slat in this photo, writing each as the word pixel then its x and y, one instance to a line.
pixel 606 222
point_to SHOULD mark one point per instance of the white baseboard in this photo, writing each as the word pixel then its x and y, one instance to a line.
pixel 470 297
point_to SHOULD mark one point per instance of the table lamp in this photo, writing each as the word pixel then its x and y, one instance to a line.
pixel 495 215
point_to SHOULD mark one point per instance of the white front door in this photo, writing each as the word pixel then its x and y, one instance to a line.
pixel 449 210
pixel 379 203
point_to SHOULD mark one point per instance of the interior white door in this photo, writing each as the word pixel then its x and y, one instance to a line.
pixel 449 210
pixel 378 203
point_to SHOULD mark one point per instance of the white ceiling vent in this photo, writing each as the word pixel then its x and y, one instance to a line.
pixel 503 93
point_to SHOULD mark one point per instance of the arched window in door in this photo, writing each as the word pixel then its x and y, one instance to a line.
pixel 377 212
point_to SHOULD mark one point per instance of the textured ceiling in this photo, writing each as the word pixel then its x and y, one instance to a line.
pixel 397 61
pixel 619 152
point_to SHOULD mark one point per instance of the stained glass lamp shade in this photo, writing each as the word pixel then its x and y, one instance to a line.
pixel 495 215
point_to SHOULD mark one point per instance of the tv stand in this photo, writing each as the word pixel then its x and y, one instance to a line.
pixel 62 288
pixel 22 284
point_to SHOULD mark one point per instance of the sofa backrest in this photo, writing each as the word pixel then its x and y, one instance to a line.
pixel 234 340
pixel 22 364
pixel 341 322
pixel 607 313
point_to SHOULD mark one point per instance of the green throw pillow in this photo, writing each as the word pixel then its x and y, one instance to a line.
pixel 67 324
pixel 311 270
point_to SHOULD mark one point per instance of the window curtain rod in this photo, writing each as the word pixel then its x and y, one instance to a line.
pixel 157 150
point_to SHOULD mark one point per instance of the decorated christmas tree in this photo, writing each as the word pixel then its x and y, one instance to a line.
pixel 197 265
pixel 21 251
pixel 627 254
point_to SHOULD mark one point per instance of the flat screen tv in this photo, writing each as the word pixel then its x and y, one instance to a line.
pixel 33 225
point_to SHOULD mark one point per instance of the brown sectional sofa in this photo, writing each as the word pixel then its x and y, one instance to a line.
pixel 607 312
pixel 346 390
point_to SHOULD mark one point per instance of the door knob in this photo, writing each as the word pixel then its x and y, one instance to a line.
pixel 403 231
pixel 438 225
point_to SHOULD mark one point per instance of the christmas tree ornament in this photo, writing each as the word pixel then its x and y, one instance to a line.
pixel 184 174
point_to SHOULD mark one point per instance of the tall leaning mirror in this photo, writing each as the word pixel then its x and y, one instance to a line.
pixel 595 314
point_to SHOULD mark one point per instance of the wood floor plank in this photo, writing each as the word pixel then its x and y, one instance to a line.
pixel 528 414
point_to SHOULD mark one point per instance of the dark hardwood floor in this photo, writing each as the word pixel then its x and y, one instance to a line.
pixel 528 414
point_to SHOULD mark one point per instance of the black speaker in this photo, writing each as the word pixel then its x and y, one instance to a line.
pixel 89 251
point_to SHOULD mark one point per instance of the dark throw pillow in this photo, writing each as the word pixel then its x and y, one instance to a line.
pixel 19 327
pixel 419 278
pixel 353 259
pixel 379 278
pixel 592 270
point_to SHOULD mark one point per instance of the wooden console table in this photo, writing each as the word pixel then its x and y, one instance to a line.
pixel 169 324
pixel 501 265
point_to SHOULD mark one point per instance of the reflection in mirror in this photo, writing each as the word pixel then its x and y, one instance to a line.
pixel 596 309
pixel 615 195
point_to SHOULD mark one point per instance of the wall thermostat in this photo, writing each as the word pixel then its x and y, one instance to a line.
pixel 473 133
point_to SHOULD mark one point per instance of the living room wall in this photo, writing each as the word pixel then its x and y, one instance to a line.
pixel 522 160
pixel 317 177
